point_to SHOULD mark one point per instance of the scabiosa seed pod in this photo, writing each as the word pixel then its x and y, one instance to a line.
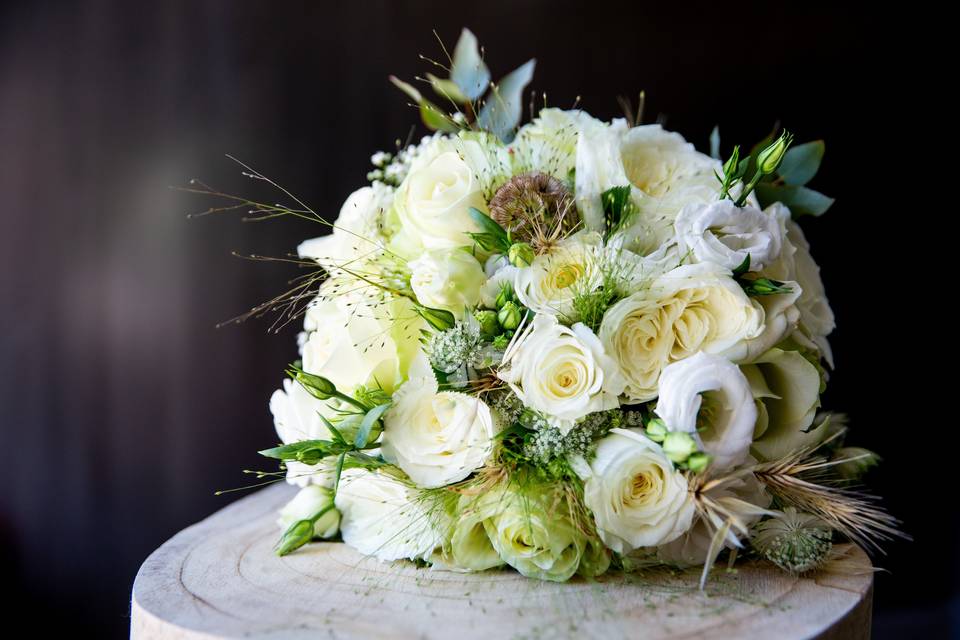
pixel 795 542
pixel 536 208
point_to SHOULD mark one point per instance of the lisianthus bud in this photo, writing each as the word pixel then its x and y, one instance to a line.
pixel 698 462
pixel 521 254
pixel 678 446
pixel 299 534
pixel 510 316
pixel 730 166
pixel 318 386
pixel 439 319
pixel 656 430
pixel 489 327
pixel 769 159
pixel 505 295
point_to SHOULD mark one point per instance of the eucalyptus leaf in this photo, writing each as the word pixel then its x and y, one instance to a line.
pixel 500 113
pixel 800 164
pixel 407 88
pixel 715 143
pixel 447 89
pixel 802 201
pixel 468 70
pixel 435 119
pixel 363 433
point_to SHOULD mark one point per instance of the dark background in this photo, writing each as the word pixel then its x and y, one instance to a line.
pixel 123 409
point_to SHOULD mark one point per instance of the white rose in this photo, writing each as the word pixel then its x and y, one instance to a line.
pixel 708 397
pixel 599 168
pixel 689 309
pixel 384 517
pixel 637 498
pixel 552 281
pixel 666 174
pixel 725 234
pixel 549 143
pixel 437 438
pixel 356 340
pixel 296 416
pixel 308 502
pixel 357 232
pixel 433 203
pixel 447 279
pixel 563 372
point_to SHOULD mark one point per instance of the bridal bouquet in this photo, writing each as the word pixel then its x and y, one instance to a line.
pixel 564 347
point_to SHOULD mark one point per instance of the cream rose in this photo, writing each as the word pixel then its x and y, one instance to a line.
pixel 689 309
pixel 308 502
pixel 725 234
pixel 553 279
pixel 437 438
pixel 563 372
pixel 384 517
pixel 637 498
pixel 434 200
pixel 356 340
pixel 708 397
pixel 447 279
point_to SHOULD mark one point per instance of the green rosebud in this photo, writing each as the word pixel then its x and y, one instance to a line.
pixel 510 316
pixel 678 446
pixel 769 159
pixel 489 327
pixel 297 535
pixel 520 254
pixel 505 295
pixel 698 462
pixel 656 430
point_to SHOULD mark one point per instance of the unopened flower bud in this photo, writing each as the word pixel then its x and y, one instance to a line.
pixel 656 430
pixel 510 316
pixel 489 327
pixel 439 319
pixel 678 446
pixel 318 386
pixel 698 462
pixel 730 166
pixel 299 534
pixel 521 254
pixel 769 159
pixel 505 295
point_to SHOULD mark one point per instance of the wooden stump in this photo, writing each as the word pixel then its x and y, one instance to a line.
pixel 221 579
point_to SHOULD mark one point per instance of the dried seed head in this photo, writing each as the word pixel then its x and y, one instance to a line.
pixel 536 208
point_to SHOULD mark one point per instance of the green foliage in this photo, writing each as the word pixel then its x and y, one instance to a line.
pixel 618 208
pixel 468 71
pixel 500 114
pixel 801 163
pixel 491 237
pixel 802 201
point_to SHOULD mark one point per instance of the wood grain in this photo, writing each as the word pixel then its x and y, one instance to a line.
pixel 220 579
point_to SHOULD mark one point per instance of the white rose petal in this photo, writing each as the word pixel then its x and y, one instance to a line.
pixel 384 517
pixel 447 279
pixel 296 416
pixel 357 232
pixel 437 438
pixel 563 372
pixel 689 309
pixel 553 279
pixel 637 497
pixel 725 431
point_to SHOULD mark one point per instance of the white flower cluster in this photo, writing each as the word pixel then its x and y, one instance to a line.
pixel 586 317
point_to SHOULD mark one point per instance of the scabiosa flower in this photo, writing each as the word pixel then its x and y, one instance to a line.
pixel 795 542
pixel 536 208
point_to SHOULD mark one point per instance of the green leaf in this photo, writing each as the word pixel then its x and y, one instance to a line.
pixel 743 268
pixel 500 114
pixel 617 207
pixel 407 88
pixel 435 119
pixel 363 433
pixel 307 451
pixel 447 89
pixel 715 143
pixel 801 200
pixel 468 71
pixel 489 242
pixel 489 226
pixel 800 164
pixel 338 472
